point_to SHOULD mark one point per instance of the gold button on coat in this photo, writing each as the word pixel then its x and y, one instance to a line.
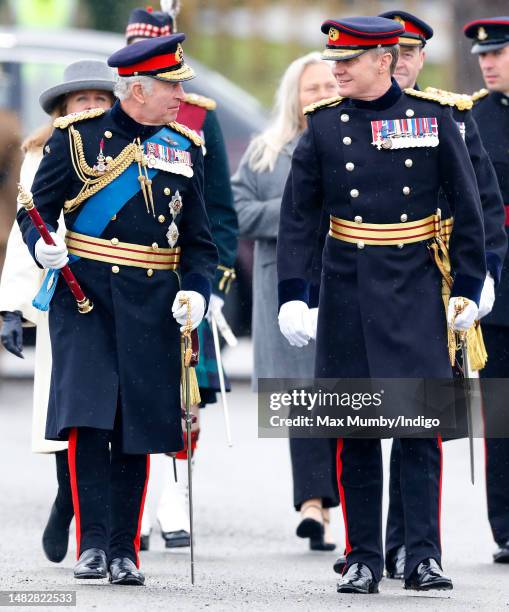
pixel 404 217
pixel 406 190
pixel 114 218
pixel 347 140
pixel 358 219
pixel 115 269
pixel 354 193
pixel 108 134
pixel 360 245
pixel 155 246
pixel 150 272
pixel 400 246
pixel 349 166
pixel 409 113
pixel 161 218
pixel 114 241
pixel 409 163
pixel 167 191
pixel 344 117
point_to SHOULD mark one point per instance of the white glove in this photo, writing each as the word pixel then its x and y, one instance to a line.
pixel 465 319
pixel 313 315
pixel 487 296
pixel 295 323
pixel 179 310
pixel 52 256
pixel 216 304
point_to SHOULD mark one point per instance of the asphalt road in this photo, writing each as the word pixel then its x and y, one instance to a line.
pixel 247 556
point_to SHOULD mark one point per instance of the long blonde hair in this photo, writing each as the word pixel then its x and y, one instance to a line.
pixel 41 135
pixel 286 121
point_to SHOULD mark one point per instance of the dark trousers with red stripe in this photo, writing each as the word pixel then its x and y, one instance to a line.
pixel 496 339
pixel 395 530
pixel 109 489
pixel 360 480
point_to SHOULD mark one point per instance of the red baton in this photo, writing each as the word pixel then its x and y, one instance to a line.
pixel 25 199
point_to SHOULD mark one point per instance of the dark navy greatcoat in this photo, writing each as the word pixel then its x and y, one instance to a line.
pixel 381 312
pixel 492 116
pixel 125 354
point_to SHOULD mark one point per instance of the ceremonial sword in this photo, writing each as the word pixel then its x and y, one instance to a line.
pixel 222 386
pixel 462 337
pixel 187 400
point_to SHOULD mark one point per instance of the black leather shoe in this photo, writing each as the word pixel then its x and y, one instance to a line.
pixel 395 563
pixel 339 565
pixel 91 564
pixel 55 538
pixel 176 539
pixel 502 554
pixel 358 579
pixel 124 571
pixel 428 575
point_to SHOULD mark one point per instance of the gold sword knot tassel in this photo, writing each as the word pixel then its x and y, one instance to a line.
pixel 188 353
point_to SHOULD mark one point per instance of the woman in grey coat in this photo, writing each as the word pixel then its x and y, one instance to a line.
pixel 258 188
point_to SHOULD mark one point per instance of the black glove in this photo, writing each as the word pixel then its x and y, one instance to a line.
pixel 12 333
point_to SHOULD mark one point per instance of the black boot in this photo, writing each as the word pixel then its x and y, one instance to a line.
pixel 55 538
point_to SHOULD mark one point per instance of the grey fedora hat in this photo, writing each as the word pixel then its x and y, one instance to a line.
pixel 83 74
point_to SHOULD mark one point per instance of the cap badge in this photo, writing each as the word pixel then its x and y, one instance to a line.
pixel 399 20
pixel 179 53
pixel 333 34
pixel 481 34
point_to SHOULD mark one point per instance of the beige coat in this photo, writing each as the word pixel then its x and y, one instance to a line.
pixel 10 159
pixel 19 283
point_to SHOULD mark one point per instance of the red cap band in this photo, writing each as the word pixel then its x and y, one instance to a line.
pixel 159 62
pixel 342 39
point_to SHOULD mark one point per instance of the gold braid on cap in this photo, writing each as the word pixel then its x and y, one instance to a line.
pixel 445 98
pixel 328 102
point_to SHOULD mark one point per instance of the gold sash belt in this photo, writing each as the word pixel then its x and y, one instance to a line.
pixel 122 253
pixel 386 234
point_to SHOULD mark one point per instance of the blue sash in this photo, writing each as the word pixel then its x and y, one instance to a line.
pixel 97 212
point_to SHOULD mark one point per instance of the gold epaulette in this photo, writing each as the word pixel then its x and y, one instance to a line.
pixel 197 100
pixel 445 98
pixel 67 120
pixel 477 95
pixel 187 132
pixel 328 102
